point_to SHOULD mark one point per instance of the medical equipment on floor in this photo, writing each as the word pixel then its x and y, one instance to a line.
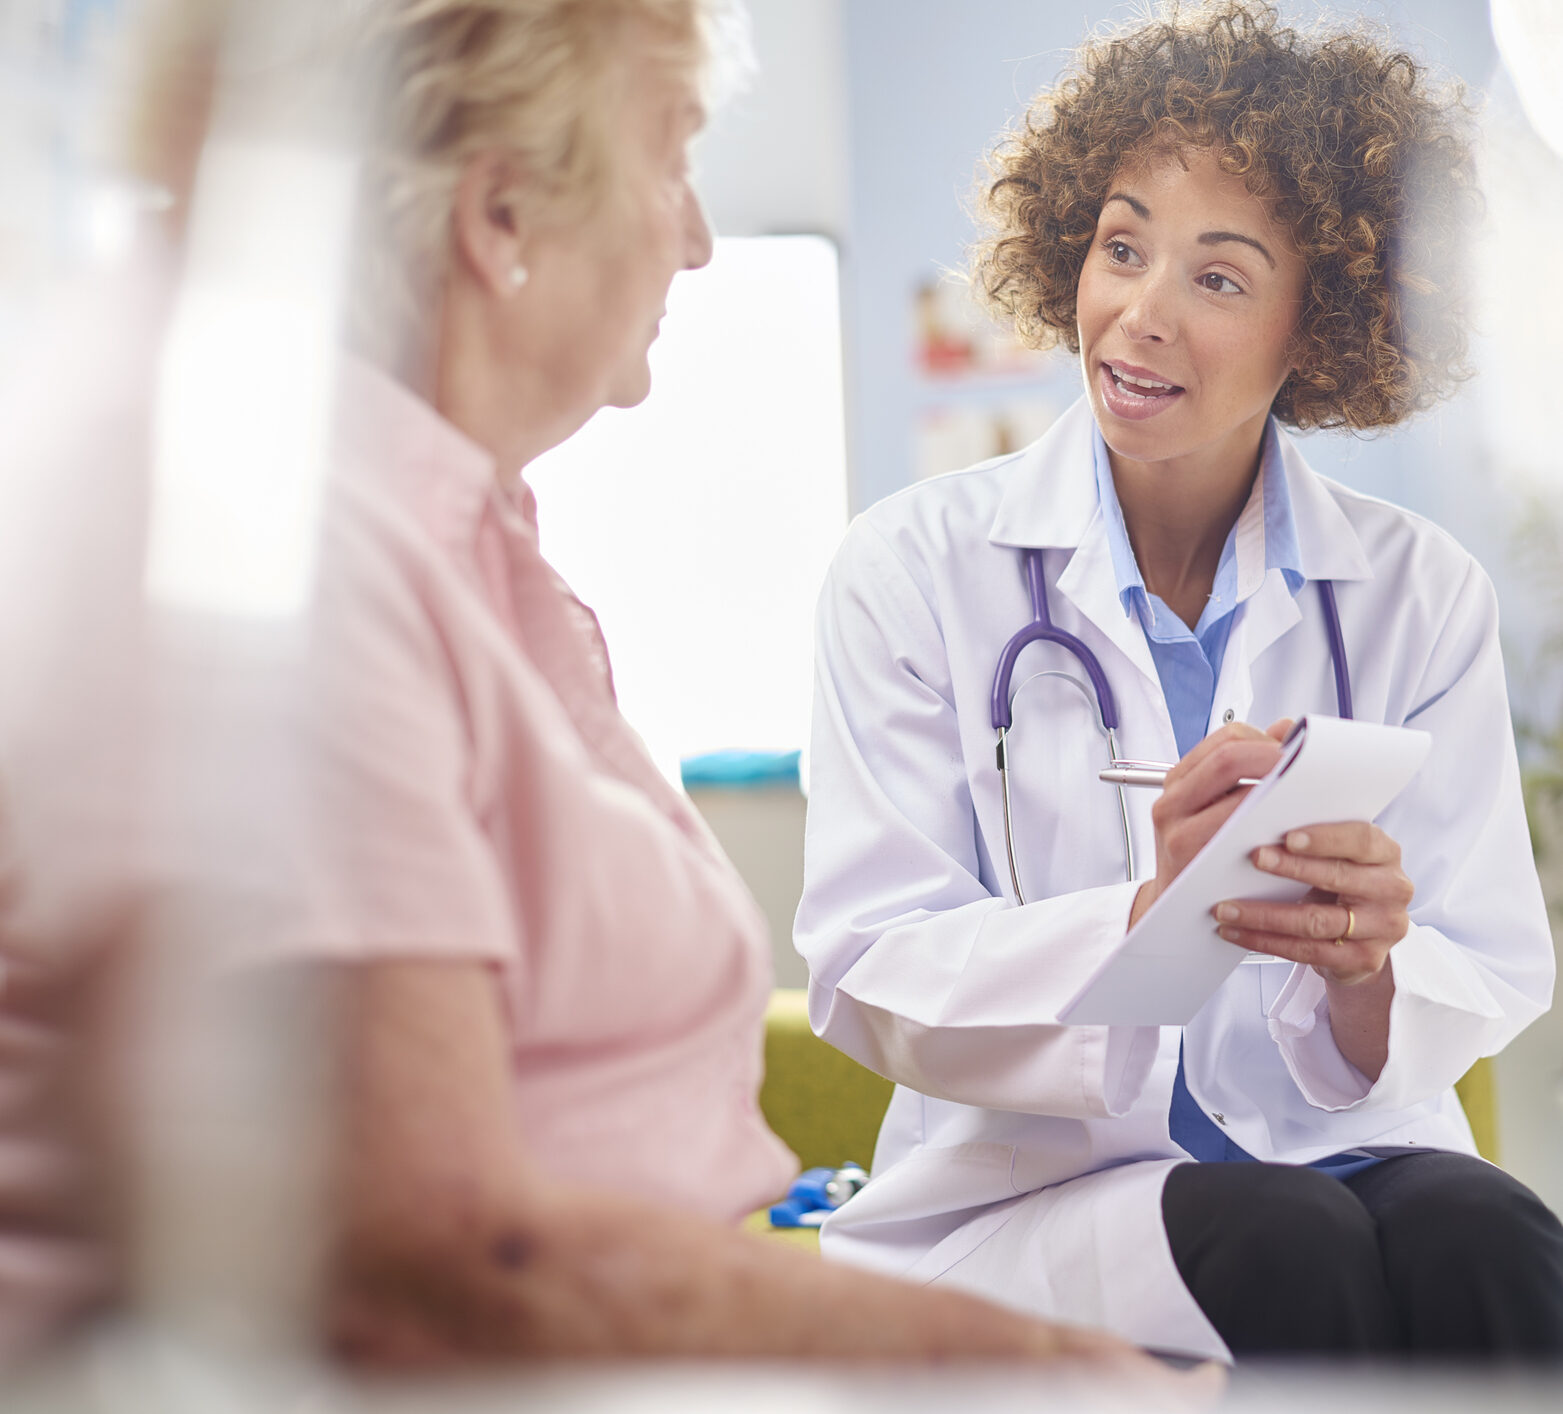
pixel 815 1194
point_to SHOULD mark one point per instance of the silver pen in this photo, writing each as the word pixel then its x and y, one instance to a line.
pixel 1149 773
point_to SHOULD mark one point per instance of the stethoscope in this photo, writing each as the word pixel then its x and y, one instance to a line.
pixel 1042 629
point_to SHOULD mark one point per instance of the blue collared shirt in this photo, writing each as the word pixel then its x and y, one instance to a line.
pixel 1188 662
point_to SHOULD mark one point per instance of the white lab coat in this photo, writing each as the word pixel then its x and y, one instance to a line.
pixel 1025 1159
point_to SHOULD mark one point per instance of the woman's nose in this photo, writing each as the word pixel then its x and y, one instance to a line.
pixel 1148 316
pixel 698 240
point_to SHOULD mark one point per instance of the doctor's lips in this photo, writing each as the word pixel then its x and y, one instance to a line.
pixel 1133 392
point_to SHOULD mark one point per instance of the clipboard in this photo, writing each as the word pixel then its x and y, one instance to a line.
pixel 1172 960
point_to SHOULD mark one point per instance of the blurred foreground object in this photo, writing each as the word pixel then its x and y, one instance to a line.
pixel 1530 39
pixel 154 1112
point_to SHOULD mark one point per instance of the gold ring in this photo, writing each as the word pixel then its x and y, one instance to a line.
pixel 1351 922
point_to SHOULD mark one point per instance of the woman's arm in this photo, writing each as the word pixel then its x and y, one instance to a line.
pixel 452 1248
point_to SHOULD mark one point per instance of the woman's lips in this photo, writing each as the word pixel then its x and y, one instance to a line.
pixel 1131 403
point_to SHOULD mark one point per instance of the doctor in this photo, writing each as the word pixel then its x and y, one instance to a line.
pixel 1292 1171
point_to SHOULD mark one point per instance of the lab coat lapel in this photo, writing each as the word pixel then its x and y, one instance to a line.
pixel 1326 540
pixel 1051 503
pixel 1329 548
pixel 1268 613
pixel 1088 582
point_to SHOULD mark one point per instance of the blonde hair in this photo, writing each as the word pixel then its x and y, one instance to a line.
pixel 453 78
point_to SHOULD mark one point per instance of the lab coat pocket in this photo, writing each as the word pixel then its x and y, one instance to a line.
pixel 963 1193
pixel 898 1222
pixel 936 1180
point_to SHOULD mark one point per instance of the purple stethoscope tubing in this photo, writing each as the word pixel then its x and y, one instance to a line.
pixel 1041 629
pixel 1337 649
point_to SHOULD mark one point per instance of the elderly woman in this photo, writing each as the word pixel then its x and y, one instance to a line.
pixel 551 982
pixel 1236 226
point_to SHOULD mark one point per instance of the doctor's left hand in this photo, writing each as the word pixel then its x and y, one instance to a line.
pixel 1354 913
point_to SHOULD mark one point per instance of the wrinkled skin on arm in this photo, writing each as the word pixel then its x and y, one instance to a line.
pixel 451 1247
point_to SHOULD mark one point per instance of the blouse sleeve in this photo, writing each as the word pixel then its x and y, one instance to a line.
pixel 398 861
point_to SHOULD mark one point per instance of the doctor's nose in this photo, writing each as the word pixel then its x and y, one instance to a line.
pixel 1147 316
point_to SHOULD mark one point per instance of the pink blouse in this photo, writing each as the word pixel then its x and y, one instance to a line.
pixel 464 787
pixel 477 795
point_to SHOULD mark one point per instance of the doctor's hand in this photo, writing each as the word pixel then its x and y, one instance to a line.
pixel 1199 795
pixel 1353 914
pixel 1343 928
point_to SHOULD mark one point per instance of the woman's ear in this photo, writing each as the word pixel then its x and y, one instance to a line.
pixel 487 226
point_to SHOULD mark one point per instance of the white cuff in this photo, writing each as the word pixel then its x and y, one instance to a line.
pixel 1299 1022
pixel 1130 1052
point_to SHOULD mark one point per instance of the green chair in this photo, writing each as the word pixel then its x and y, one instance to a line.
pixel 1477 1094
pixel 824 1105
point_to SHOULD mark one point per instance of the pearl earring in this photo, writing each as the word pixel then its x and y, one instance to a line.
pixel 519 275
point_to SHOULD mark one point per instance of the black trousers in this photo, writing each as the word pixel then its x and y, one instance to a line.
pixel 1435 1254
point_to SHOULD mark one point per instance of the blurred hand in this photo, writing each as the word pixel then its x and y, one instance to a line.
pixel 1127 1370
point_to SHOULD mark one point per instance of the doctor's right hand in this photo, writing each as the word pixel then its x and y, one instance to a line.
pixel 1199 795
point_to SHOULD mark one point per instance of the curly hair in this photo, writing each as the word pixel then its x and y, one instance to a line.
pixel 1351 145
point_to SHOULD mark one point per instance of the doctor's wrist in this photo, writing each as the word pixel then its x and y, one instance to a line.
pixel 1144 897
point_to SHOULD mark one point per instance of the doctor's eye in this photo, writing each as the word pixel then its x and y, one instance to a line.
pixel 1220 284
pixel 1119 252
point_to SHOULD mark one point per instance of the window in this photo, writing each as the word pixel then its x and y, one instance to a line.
pixel 700 524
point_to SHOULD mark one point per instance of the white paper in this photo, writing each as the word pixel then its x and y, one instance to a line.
pixel 1171 961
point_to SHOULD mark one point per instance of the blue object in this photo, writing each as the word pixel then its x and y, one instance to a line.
pixel 815 1194
pixel 735 770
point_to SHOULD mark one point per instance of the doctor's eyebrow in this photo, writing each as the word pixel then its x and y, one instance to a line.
pixel 1217 237
pixel 1141 210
